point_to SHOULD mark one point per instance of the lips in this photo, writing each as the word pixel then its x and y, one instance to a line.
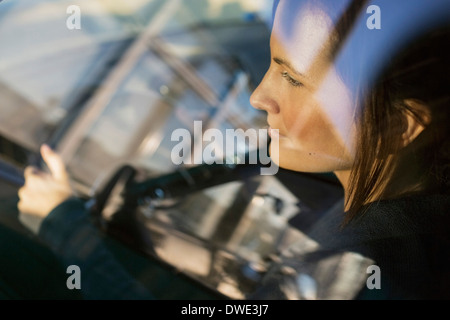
pixel 274 133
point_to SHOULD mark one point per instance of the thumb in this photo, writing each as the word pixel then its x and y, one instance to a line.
pixel 54 163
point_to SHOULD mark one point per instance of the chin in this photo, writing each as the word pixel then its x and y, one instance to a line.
pixel 304 161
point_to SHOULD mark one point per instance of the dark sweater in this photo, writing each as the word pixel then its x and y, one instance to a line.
pixel 407 239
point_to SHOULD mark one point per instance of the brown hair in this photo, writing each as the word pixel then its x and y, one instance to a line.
pixel 383 168
pixel 418 70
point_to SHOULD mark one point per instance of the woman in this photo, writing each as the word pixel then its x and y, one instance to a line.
pixel 387 141
pixel 384 135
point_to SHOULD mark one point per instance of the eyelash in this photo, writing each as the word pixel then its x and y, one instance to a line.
pixel 291 80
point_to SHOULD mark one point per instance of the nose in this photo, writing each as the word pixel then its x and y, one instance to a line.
pixel 263 98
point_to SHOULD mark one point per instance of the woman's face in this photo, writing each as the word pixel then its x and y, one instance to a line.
pixel 304 97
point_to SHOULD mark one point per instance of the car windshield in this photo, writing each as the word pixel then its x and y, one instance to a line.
pixel 147 90
pixel 129 63
pixel 113 91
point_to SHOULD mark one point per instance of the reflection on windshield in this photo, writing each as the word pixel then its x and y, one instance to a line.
pixel 114 91
pixel 48 71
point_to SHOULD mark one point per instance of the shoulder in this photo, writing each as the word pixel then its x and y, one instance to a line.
pixel 407 216
pixel 408 239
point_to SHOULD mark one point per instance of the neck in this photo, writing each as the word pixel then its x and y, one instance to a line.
pixel 344 177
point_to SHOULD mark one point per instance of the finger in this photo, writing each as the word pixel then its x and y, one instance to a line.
pixel 21 192
pixel 34 176
pixel 54 163
pixel 21 204
pixel 23 207
pixel 30 171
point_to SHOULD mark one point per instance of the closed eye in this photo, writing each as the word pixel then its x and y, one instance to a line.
pixel 291 80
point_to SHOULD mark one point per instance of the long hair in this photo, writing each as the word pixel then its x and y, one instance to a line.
pixel 383 168
pixel 383 69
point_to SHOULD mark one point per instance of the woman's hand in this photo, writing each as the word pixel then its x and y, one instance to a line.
pixel 43 191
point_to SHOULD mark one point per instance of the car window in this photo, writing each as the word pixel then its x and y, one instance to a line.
pixel 113 92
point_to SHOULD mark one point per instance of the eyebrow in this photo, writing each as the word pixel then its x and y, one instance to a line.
pixel 285 63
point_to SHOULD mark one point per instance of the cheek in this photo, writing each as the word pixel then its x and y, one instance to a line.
pixel 313 143
pixel 305 122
